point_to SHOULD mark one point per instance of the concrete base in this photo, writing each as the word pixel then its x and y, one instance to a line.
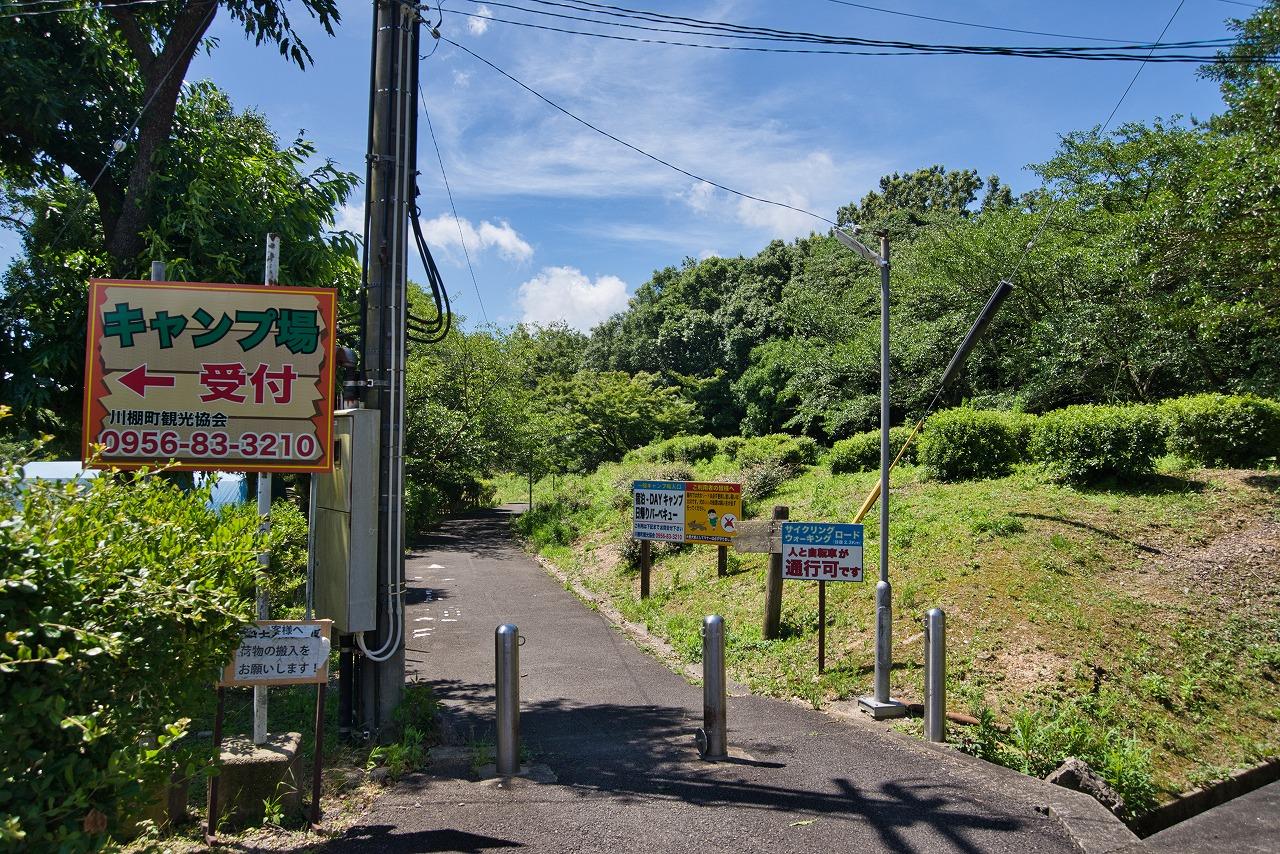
pixel 882 711
pixel 253 774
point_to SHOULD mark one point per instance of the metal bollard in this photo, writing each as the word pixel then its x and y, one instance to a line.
pixel 713 737
pixel 935 675
pixel 507 653
pixel 884 639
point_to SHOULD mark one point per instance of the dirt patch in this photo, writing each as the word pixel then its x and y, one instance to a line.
pixel 1240 567
pixel 1026 669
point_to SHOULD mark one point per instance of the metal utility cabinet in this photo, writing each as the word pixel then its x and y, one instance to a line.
pixel 346 519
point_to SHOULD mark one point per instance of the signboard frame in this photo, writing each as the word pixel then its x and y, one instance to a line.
pixel 720 501
pixel 95 412
pixel 852 539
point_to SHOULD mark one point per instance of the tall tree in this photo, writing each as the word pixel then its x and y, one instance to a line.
pixel 93 91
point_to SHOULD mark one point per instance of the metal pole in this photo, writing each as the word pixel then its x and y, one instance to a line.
pixel 822 626
pixel 644 569
pixel 507 653
pixel 270 276
pixel 317 763
pixel 880 705
pixel 935 675
pixel 157 271
pixel 713 737
pixel 212 812
pixel 773 584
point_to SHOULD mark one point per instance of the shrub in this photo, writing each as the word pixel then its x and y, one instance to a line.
pixel 122 601
pixel 862 452
pixel 1222 430
pixel 1089 442
pixel 762 479
pixel 287 572
pixel 963 443
pixel 779 447
pixel 688 449
pixel 731 445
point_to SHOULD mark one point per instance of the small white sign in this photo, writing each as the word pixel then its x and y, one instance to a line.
pixel 281 652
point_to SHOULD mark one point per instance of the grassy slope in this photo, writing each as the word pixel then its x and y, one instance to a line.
pixel 1129 599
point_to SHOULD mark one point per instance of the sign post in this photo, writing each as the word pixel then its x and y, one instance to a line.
pixel 277 652
pixel 822 552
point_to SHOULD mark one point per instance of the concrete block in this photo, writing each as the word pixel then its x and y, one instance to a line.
pixel 254 773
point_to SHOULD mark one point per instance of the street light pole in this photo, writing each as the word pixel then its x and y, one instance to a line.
pixel 880 705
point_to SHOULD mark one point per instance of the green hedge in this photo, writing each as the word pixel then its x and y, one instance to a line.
pixel 1223 430
pixel 964 443
pixel 121 603
pixel 1090 442
pixel 779 447
pixel 687 449
pixel 862 452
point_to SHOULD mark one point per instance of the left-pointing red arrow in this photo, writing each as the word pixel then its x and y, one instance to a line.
pixel 138 380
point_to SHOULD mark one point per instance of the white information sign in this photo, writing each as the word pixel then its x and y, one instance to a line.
pixel 659 510
pixel 821 551
pixel 281 652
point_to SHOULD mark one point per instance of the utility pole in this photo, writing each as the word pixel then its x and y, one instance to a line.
pixel 389 188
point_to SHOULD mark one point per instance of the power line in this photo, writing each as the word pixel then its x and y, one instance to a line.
pixel 973 24
pixel 48 10
pixel 698 26
pixel 634 148
pixel 1053 53
pixel 457 220
pixel 1044 223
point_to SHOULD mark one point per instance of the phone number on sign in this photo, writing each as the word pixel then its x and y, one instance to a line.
pixel 168 443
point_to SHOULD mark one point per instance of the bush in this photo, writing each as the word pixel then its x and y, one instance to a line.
pixel 122 602
pixel 287 573
pixel 763 479
pixel 1221 430
pixel 688 449
pixel 1090 442
pixel 731 445
pixel 963 444
pixel 779 447
pixel 862 452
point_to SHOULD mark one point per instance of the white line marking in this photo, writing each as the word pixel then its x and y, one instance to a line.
pixel 448 621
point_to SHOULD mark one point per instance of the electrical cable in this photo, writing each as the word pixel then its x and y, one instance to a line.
pixel 739 31
pixel 1044 223
pixel 921 50
pixel 6 12
pixel 461 237
pixel 634 148
pixel 970 23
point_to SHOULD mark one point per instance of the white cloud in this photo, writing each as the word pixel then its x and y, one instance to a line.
pixel 566 294
pixel 478 25
pixel 350 218
pixel 443 232
pixel 461 79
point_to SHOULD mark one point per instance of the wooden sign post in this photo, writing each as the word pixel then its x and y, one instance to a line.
pixel 276 652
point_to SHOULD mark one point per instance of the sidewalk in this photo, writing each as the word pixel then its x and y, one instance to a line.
pixel 611 731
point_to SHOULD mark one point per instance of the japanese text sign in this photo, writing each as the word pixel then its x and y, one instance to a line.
pixel 712 511
pixel 821 551
pixel 281 652
pixel 230 377
pixel 680 512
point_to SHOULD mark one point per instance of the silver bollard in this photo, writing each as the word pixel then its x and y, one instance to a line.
pixel 935 675
pixel 713 737
pixel 884 639
pixel 507 653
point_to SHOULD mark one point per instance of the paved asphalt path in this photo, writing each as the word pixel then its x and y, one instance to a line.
pixel 616 729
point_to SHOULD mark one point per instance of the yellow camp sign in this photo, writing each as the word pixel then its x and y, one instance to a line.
pixel 712 512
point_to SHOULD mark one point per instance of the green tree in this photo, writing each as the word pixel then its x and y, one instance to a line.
pixel 78 82
pixel 223 183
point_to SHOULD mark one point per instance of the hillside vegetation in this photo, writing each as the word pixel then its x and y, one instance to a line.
pixel 1136 623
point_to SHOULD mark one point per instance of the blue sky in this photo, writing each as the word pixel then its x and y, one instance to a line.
pixel 562 223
